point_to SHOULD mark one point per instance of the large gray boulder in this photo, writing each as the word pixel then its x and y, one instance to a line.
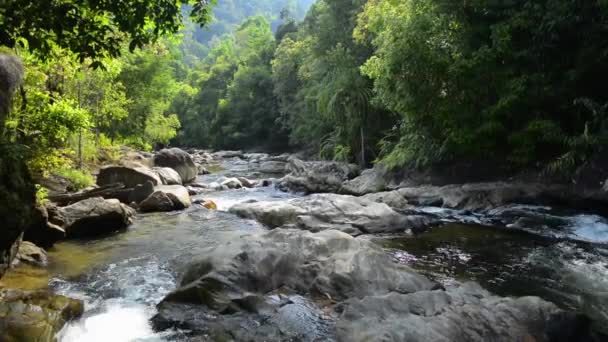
pixel 179 161
pixel 168 176
pixel 167 198
pixel 330 264
pixel 369 181
pixel 129 176
pixel 316 176
pixel 93 217
pixel 30 316
pixel 466 313
pixel 353 215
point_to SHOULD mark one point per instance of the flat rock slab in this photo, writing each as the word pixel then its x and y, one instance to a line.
pixel 329 263
pixel 353 215
pixel 466 313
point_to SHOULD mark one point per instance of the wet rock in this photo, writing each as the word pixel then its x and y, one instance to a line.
pixel 141 192
pixel 129 176
pixel 167 198
pixel 353 215
pixel 199 185
pixel 283 318
pixel 466 313
pixel 217 186
pixel 179 161
pixel 94 216
pixel 317 177
pixel 31 254
pixel 35 316
pixel 370 181
pixel 232 183
pixel 231 277
pixel 275 167
pixel 247 183
pixel 168 176
pixel 209 204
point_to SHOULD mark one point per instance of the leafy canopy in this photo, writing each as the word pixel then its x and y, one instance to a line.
pixel 93 28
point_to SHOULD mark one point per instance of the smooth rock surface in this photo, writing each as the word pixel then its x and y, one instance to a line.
pixel 94 216
pixel 353 215
pixel 329 263
pixel 179 161
pixel 167 198
pixel 129 176
pixel 168 176
pixel 467 313
pixel 232 183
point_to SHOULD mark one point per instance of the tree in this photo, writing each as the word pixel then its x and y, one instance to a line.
pixel 480 79
pixel 93 29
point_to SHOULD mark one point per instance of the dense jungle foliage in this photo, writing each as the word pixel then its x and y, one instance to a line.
pixel 399 81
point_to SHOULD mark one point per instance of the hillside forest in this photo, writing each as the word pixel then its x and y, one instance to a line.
pixel 405 83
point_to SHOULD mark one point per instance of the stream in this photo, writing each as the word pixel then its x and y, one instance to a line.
pixel 122 277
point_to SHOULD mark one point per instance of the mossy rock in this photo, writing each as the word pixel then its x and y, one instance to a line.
pixel 35 316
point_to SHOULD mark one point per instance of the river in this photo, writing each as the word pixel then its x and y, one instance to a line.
pixel 122 277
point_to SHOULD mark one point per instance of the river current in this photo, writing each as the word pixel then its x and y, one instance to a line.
pixel 122 277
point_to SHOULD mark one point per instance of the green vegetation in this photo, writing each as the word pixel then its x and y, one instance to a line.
pixel 414 83
pixel 403 82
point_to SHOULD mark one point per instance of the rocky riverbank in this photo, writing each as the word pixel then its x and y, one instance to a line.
pixel 314 270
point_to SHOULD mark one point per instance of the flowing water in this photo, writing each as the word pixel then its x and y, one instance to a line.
pixel 562 257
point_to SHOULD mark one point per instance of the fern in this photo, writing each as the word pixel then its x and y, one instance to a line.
pixel 581 147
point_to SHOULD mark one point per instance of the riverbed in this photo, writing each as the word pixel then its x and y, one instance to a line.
pixel 122 277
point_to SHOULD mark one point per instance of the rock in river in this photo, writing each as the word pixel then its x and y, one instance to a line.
pixel 316 176
pixel 35 316
pixel 353 215
pixel 129 176
pixel 238 278
pixel 168 176
pixel 31 254
pixel 93 216
pixel 167 198
pixel 179 161
pixel 370 181
pixel 465 313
